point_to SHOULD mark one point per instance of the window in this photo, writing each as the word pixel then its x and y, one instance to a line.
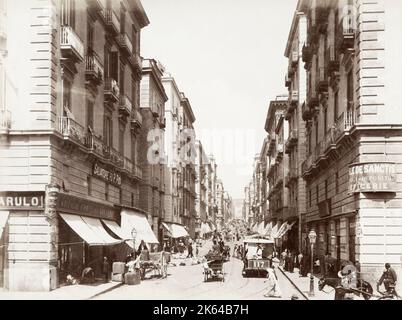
pixel 66 95
pixel 121 139
pixel 108 131
pixel 316 192
pixel 121 79
pixel 120 195
pixel 309 197
pixel 132 199
pixel 113 64
pixel 336 106
pixel 309 142
pixel 122 20
pixel 337 182
pixel 316 133
pixel 134 92
pixel 134 39
pixel 106 191
pixel 133 149
pixel 90 115
pixel 90 36
pixel 325 120
pixel 89 185
pixel 350 88
pixel 326 189
pixel 68 13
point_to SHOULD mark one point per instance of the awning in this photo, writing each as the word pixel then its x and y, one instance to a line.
pixel 286 229
pixel 274 230
pixel 175 230
pixel 134 220
pixel 268 229
pixel 281 229
pixel 117 230
pixel 261 228
pixel 3 220
pixel 90 230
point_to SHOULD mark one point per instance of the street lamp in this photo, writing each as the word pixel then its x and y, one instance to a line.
pixel 312 236
pixel 134 235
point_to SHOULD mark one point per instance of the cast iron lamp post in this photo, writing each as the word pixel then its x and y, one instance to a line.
pixel 134 235
pixel 312 236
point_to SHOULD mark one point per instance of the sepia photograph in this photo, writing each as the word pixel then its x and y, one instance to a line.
pixel 215 151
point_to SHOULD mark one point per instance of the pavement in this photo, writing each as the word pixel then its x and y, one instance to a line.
pixel 72 292
pixel 303 286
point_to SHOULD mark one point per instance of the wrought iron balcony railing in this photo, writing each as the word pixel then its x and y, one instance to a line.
pixel 112 90
pixel 112 21
pixel 93 67
pixel 71 129
pixel 126 106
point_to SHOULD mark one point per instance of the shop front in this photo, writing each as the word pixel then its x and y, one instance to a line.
pixel 83 240
pixel 173 234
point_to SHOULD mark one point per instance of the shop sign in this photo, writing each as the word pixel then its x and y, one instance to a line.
pixel 372 177
pixel 106 174
pixel 84 207
pixel 22 200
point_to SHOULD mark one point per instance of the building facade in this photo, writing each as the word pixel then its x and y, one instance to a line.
pixel 151 139
pixel 278 167
pixel 353 128
pixel 201 187
pixel 295 146
pixel 69 144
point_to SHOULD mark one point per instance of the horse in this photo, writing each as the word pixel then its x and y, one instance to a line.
pixel 362 286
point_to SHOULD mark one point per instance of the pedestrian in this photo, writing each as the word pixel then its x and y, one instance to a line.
pixel 290 262
pixel 190 249
pixel 300 263
pixel 283 258
pixel 273 286
pixel 389 278
pixel 106 269
pixel 234 250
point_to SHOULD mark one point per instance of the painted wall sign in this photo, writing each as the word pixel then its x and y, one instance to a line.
pixel 22 200
pixel 79 206
pixel 106 174
pixel 372 177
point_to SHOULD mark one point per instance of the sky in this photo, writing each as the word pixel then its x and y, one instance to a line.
pixel 227 56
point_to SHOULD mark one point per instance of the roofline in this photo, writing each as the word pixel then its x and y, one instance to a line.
pixel 139 12
pixel 184 99
pixel 158 80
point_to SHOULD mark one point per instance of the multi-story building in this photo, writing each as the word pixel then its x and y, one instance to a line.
pixel 228 209
pixel 295 145
pixel 277 129
pixel 211 193
pixel 70 122
pixel 354 133
pixel 173 141
pixel 219 219
pixel 152 108
pixel 201 187
pixel 187 174
pixel 264 182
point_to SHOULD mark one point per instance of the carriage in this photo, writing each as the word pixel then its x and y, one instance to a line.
pixel 254 263
pixel 214 267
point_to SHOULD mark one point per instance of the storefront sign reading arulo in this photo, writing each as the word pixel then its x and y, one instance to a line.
pixel 21 200
pixel 105 174
pixel 372 177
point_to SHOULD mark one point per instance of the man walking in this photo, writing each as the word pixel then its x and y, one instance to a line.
pixel 388 277
pixel 273 286
pixel 190 249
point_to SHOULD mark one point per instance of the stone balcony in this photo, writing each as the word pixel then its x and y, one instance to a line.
pixel 125 107
pixel 111 90
pixel 112 21
pixel 71 45
pixel 125 43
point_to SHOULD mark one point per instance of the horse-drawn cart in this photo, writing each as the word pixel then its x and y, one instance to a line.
pixel 214 268
pixel 156 261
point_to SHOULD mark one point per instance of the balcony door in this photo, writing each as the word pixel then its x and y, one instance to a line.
pixel 68 13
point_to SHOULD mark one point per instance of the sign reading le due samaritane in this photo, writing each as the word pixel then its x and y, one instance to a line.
pixel 372 177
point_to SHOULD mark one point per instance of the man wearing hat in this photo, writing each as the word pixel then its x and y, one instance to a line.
pixel 388 277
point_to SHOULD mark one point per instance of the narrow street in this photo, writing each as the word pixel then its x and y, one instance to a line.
pixel 187 282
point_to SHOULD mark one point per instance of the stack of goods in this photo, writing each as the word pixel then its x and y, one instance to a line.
pixel 132 278
pixel 118 270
